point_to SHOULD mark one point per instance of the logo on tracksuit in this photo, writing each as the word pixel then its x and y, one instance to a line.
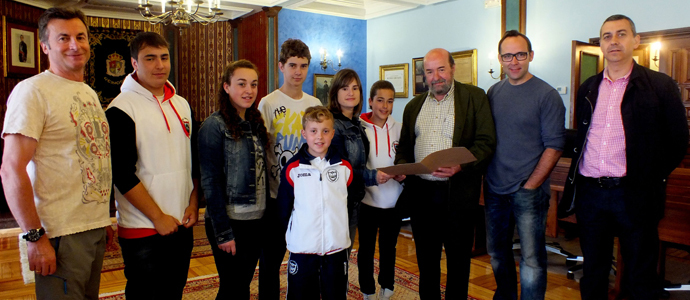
pixel 292 267
pixel 332 175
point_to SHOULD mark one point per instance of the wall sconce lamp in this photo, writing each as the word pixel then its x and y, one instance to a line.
pixel 325 62
pixel 492 56
pixel 655 48
pixel 491 73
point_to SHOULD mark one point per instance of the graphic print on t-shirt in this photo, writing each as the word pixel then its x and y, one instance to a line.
pixel 93 148
pixel 288 136
pixel 260 165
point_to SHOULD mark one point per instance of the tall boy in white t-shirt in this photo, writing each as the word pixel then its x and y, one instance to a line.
pixel 282 111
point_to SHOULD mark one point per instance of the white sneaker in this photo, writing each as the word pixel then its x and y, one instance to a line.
pixel 370 297
pixel 385 294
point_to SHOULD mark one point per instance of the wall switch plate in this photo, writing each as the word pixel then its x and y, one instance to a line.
pixel 562 90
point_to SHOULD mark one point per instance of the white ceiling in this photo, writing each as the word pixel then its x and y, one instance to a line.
pixel 232 9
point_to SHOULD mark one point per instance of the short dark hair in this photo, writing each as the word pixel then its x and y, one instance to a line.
pixel 143 39
pixel 620 17
pixel 294 47
pixel 380 85
pixel 514 33
pixel 62 13
pixel 341 80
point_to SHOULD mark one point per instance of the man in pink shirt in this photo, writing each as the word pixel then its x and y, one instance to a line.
pixel 631 133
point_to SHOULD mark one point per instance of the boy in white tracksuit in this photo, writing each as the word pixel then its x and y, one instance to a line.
pixel 312 199
pixel 377 212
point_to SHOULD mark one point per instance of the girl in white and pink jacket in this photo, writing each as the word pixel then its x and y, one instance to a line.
pixel 377 212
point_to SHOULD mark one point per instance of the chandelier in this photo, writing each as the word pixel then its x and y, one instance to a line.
pixel 178 15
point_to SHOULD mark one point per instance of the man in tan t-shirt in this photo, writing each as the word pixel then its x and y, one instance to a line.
pixel 59 189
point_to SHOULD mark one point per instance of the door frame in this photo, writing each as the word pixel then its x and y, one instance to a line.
pixel 579 48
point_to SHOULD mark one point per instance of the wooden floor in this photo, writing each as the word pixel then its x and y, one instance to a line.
pixel 482 283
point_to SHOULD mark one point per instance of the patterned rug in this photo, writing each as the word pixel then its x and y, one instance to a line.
pixel 113 255
pixel 206 287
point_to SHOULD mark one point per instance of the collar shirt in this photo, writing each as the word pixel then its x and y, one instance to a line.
pixel 434 128
pixel 320 163
pixel 605 149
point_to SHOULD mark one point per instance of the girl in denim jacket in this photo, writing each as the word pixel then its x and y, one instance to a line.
pixel 345 102
pixel 232 143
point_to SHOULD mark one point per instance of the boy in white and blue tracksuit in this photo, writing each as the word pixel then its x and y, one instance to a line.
pixel 312 199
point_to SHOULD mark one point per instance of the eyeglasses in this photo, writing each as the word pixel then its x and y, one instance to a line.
pixel 508 57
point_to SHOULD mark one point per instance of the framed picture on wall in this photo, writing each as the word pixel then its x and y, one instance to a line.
pixel 322 83
pixel 21 48
pixel 466 66
pixel 420 85
pixel 397 75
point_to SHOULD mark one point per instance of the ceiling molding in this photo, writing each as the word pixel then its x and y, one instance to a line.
pixel 233 9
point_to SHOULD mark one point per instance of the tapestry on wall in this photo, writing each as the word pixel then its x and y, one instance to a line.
pixel 110 61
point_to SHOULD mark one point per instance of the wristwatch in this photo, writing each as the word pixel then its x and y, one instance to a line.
pixel 34 234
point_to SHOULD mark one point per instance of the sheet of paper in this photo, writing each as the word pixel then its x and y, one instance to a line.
pixel 397 78
pixel 443 158
pixel 406 169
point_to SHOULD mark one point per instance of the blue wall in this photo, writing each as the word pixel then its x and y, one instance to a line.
pixel 551 26
pixel 330 33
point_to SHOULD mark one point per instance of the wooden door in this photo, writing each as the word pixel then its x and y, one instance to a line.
pixel 674 60
pixel 586 62
pixel 641 55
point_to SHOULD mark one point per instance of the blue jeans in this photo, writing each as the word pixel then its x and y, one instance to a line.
pixel 527 209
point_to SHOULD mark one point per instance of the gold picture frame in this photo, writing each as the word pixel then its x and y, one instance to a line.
pixel 398 75
pixel 420 85
pixel 465 66
pixel 322 83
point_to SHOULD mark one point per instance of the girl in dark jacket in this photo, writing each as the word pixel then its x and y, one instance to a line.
pixel 232 143
pixel 345 102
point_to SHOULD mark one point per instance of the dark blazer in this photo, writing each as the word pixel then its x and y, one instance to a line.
pixel 474 129
pixel 656 139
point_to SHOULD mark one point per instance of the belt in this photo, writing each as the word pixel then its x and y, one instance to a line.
pixel 605 182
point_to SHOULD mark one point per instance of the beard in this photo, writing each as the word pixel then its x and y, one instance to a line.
pixel 442 89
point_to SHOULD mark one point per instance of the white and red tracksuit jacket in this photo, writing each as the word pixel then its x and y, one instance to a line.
pixel 312 199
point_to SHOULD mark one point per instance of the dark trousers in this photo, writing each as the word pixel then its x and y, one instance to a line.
pixel 272 253
pixel 387 223
pixel 601 215
pixel 314 277
pixel 436 224
pixel 156 266
pixel 235 272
